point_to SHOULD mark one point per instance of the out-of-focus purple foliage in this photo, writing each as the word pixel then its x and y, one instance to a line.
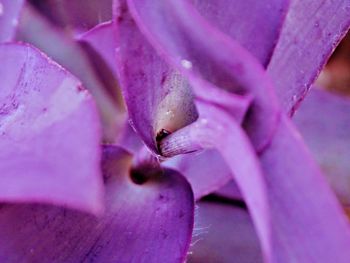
pixel 34 29
pixel 9 13
pixel 209 88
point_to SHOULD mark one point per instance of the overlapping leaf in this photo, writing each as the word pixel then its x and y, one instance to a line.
pixel 151 222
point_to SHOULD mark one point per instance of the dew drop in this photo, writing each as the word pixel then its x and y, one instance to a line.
pixel 204 121
pixel 170 114
pixel 186 64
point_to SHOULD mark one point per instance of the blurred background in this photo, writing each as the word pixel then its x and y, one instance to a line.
pixel 336 75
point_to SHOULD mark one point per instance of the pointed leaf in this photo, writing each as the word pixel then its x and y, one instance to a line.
pixel 210 131
pixel 78 15
pixel 34 29
pixel 151 222
pixel 308 224
pixel 205 171
pixel 158 98
pixel 324 122
pixel 312 31
pixel 180 34
pixel 224 233
pixel 49 147
pixel 254 24
pixel 9 13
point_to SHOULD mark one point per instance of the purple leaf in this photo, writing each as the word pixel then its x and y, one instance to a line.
pixel 78 15
pixel 298 219
pixel 98 43
pixel 158 98
pixel 229 191
pixel 101 38
pixel 151 222
pixel 210 131
pixel 206 171
pixel 324 122
pixel 312 31
pixel 9 13
pixel 308 224
pixel 34 29
pixel 223 233
pixel 180 35
pixel 303 206
pixel 141 102
pixel 254 24
pixel 49 147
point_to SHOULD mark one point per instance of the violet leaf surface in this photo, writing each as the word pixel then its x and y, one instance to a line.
pixel 34 29
pixel 9 13
pixel 324 122
pixel 206 171
pixel 151 222
pixel 194 167
pixel 102 39
pixel 308 223
pixel 310 34
pixel 256 25
pixel 210 131
pixel 154 102
pixel 180 35
pixel 49 133
pixel 229 191
pixel 158 98
pixel 99 45
pixel 224 233
pixel 75 16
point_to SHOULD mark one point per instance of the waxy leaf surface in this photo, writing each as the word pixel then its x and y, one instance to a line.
pixel 151 222
pixel 310 34
pixel 49 133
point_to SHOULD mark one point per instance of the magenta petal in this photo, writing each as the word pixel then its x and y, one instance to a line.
pixel 206 171
pixel 308 223
pixel 180 35
pixel 210 131
pixel 254 24
pixel 49 133
pixel 9 12
pixel 223 233
pixel 324 122
pixel 312 31
pixel 143 223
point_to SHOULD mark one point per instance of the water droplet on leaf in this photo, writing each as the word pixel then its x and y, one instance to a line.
pixel 186 64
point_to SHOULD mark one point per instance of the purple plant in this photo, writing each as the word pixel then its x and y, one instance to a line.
pixel 210 88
